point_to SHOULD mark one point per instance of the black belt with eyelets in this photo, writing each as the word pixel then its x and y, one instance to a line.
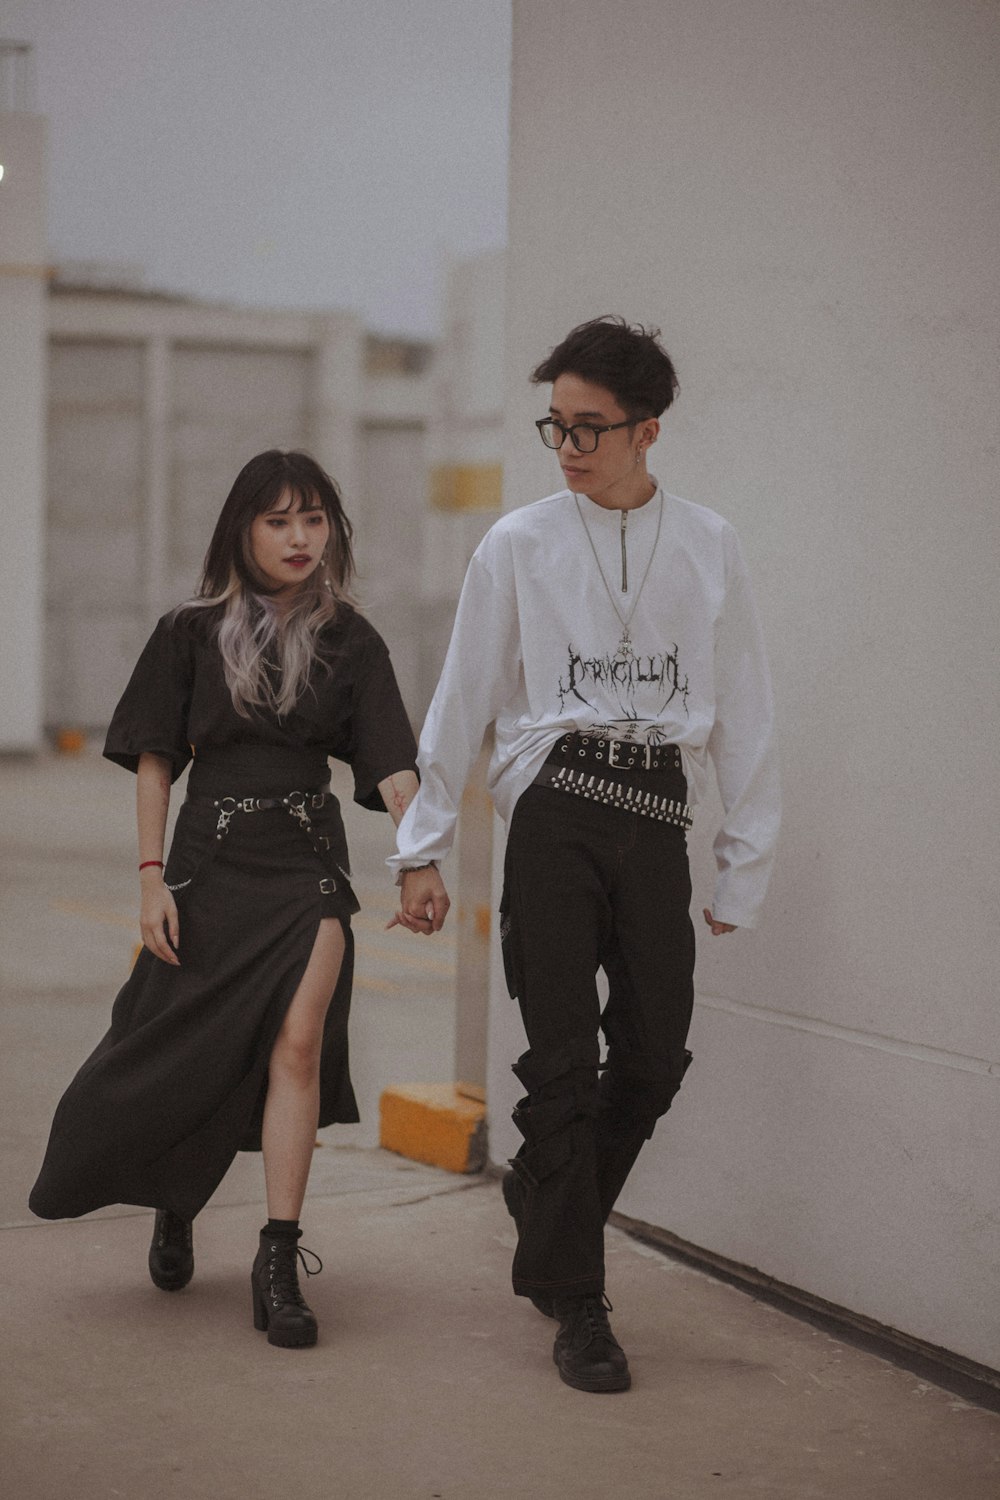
pixel 297 804
pixel 312 800
pixel 576 749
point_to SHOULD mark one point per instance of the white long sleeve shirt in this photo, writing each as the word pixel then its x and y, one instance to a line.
pixel 539 648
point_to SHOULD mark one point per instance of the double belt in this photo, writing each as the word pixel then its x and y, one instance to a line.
pixel 567 770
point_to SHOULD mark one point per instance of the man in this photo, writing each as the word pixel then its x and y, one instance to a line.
pixel 609 633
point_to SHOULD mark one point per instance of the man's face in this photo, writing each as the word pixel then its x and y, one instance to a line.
pixel 612 468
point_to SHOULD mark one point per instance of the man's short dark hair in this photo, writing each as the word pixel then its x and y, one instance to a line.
pixel 629 362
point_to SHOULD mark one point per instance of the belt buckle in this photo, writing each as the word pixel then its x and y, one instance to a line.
pixel 248 804
pixel 614 746
pixel 648 757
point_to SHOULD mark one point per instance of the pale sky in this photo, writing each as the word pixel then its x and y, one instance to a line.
pixel 279 153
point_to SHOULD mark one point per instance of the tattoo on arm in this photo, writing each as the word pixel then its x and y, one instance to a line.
pixel 398 791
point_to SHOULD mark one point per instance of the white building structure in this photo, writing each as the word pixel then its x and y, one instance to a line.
pixel 464 447
pixel 155 403
pixel 805 198
pixel 23 275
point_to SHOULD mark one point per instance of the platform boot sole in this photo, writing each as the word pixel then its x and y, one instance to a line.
pixel 296 1338
pixel 169 1283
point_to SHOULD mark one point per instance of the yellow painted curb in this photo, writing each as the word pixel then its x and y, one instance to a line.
pixel 466 486
pixel 70 741
pixel 436 1123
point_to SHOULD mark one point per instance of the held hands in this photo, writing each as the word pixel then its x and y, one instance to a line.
pixel 158 918
pixel 424 903
pixel 718 928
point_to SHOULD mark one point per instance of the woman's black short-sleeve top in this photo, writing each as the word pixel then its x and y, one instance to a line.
pixel 177 703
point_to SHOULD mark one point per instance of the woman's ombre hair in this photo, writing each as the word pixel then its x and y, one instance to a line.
pixel 267 653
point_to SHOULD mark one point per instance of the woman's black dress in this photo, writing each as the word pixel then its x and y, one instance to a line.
pixel 158 1111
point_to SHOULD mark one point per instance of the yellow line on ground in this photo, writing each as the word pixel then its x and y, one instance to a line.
pixel 93 913
pixel 425 964
pixel 379 986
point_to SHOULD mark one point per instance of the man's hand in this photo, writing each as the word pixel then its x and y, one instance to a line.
pixel 424 903
pixel 717 927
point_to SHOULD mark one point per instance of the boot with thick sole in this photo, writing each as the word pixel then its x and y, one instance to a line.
pixel 171 1252
pixel 279 1308
pixel 586 1352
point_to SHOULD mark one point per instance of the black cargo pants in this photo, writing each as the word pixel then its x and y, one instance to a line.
pixel 588 886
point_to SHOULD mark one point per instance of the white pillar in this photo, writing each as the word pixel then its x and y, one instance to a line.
pixel 156 473
pixel 23 349
pixel 338 384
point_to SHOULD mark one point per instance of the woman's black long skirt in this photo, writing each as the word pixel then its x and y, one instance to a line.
pixel 177 1086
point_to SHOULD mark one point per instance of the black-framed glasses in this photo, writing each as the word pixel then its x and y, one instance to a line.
pixel 585 435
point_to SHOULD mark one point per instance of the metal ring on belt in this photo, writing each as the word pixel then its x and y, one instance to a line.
pixel 314 800
pixel 295 803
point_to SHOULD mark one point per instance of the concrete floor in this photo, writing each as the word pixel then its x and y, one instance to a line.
pixel 430 1379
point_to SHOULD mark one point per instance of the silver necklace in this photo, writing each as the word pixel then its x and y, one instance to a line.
pixel 625 647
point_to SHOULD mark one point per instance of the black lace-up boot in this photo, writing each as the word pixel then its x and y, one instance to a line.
pixel 171 1252
pixel 587 1354
pixel 512 1190
pixel 279 1308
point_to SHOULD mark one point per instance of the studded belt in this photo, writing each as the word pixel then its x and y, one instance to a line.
pixel 615 794
pixel 576 749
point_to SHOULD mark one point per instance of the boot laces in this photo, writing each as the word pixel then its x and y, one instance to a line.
pixel 588 1315
pixel 596 1310
pixel 283 1272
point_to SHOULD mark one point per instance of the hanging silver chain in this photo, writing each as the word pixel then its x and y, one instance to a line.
pixel 625 620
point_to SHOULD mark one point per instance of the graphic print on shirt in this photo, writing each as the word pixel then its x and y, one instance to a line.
pixel 642 683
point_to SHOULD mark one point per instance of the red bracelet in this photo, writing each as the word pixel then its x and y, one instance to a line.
pixel 147 862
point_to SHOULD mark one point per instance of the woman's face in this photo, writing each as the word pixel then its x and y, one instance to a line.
pixel 287 543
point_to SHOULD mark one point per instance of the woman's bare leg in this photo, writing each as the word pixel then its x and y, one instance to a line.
pixel 291 1112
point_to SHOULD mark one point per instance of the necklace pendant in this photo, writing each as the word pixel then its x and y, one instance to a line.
pixel 625 647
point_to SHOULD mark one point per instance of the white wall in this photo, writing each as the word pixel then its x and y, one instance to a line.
pixel 804 197
pixel 23 275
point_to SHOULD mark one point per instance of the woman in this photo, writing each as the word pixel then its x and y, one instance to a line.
pixel 231 1033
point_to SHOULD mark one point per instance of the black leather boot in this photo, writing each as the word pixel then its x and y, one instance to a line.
pixel 511 1187
pixel 587 1354
pixel 279 1308
pixel 171 1252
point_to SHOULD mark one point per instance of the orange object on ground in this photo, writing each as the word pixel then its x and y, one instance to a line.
pixel 436 1123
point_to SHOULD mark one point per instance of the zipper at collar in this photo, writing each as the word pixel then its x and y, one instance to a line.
pixel 624 553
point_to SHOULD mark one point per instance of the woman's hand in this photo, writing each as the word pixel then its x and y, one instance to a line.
pixel 424 903
pixel 718 928
pixel 158 918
